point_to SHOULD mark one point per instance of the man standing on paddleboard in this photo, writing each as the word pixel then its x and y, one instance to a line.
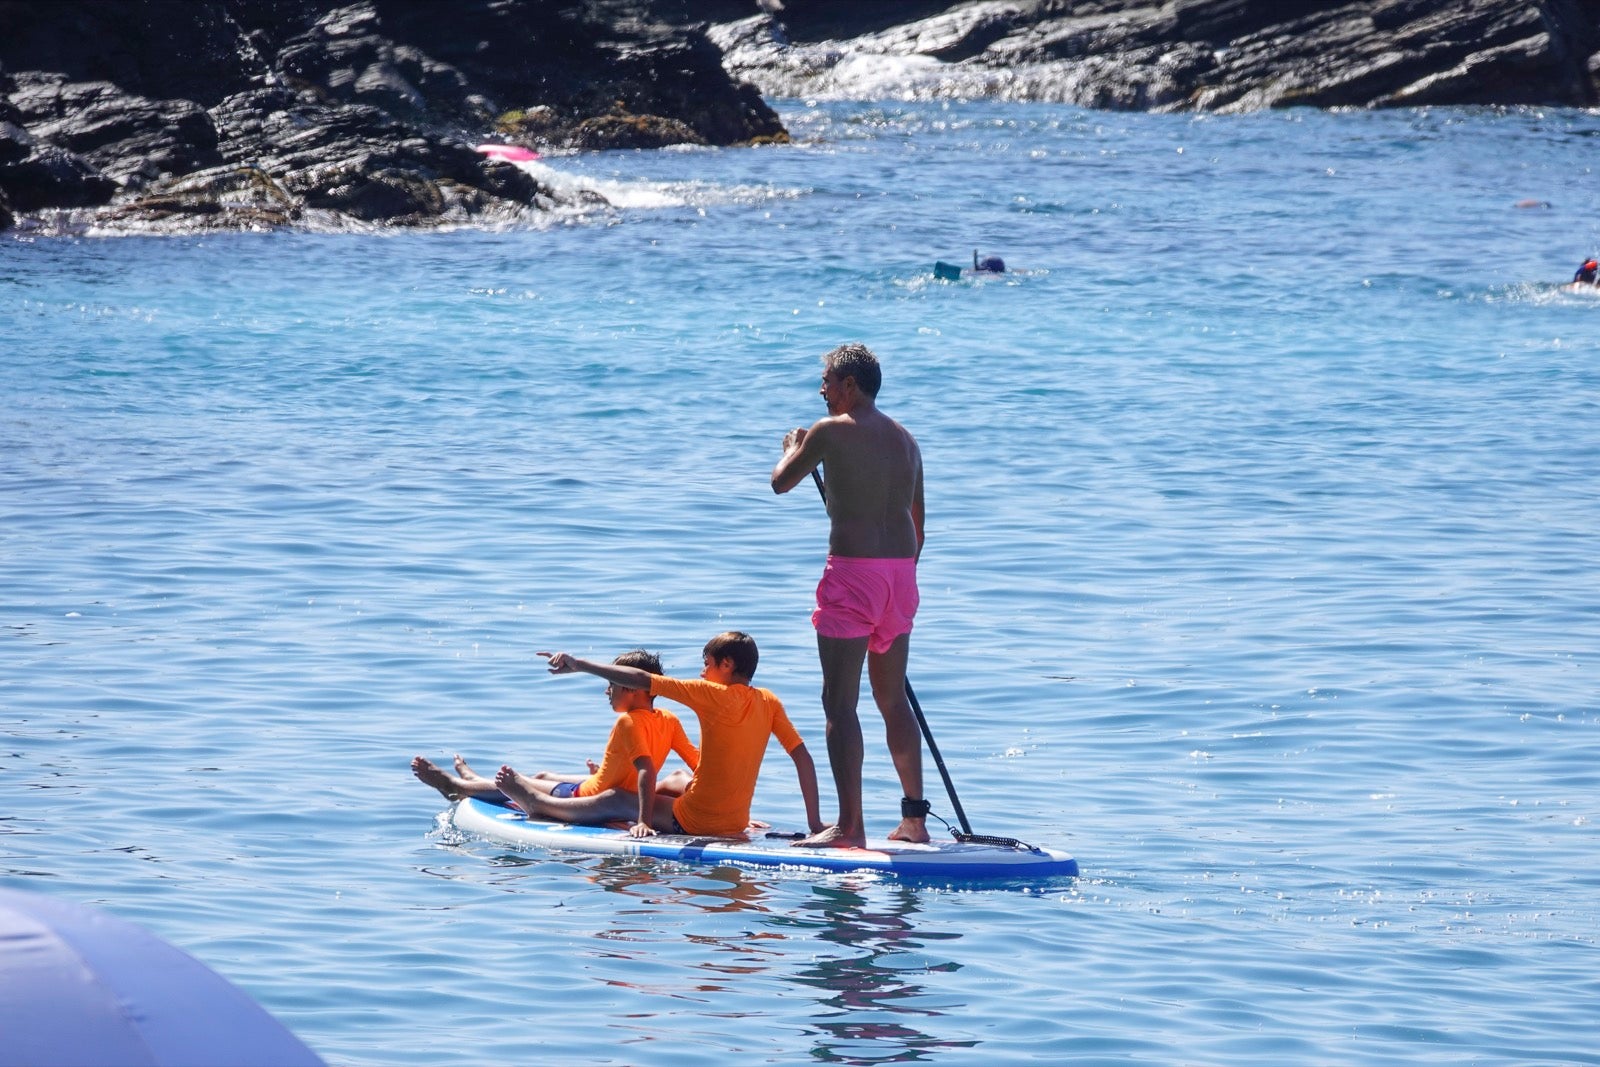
pixel 868 593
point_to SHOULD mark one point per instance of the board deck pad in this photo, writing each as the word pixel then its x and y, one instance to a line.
pixel 956 860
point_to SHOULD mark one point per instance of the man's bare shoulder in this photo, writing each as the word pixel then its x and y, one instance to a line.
pixel 831 426
pixel 882 424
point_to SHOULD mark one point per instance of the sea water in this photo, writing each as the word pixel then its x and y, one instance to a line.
pixel 1262 574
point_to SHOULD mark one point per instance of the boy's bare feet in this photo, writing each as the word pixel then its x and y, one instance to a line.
pixel 465 771
pixel 914 831
pixel 429 774
pixel 516 789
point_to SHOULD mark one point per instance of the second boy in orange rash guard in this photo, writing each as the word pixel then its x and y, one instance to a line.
pixel 736 721
pixel 628 772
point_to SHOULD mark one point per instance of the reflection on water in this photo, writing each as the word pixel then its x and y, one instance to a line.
pixel 862 936
pixel 728 960
pixel 868 990
pixel 716 891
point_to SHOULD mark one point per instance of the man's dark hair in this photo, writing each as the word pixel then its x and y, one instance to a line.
pixel 855 360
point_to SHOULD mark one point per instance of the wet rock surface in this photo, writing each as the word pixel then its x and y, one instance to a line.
pixel 183 116
pixel 1181 55
pixel 176 116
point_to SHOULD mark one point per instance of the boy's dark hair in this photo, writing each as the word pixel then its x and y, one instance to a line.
pixel 645 661
pixel 739 647
pixel 855 360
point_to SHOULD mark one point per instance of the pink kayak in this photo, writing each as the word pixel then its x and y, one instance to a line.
pixel 511 153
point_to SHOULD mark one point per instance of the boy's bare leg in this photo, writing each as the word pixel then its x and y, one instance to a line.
pixel 672 784
pixel 544 781
pixel 533 797
pixel 450 786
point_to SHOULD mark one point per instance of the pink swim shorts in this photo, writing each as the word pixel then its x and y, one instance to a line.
pixel 864 597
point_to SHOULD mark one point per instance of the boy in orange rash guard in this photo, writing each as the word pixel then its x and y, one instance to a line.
pixel 736 719
pixel 638 746
pixel 639 743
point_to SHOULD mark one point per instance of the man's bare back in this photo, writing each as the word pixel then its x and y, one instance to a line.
pixel 874 478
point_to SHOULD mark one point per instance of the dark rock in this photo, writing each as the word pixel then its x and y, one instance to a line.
pixel 631 131
pixel 510 182
pixel 517 55
pixel 16 143
pixel 225 198
pixel 54 177
pixel 353 159
pixel 374 196
pixel 814 21
pixel 162 49
pixel 1214 55
pixel 177 115
pixel 975 37
pixel 130 139
pixel 346 56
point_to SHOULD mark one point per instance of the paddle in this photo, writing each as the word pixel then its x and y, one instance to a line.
pixel 927 735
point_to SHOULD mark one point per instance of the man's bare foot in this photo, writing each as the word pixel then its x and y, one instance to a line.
pixel 913 830
pixel 429 774
pixel 516 789
pixel 832 837
pixel 465 771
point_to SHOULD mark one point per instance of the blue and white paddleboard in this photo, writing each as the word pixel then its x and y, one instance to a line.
pixel 956 860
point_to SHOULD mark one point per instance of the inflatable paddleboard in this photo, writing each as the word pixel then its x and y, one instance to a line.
pixel 951 860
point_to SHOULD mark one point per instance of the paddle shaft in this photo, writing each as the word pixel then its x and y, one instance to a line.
pixel 922 720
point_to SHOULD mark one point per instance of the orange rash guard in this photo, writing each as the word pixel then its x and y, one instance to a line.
pixel 735 723
pixel 651 733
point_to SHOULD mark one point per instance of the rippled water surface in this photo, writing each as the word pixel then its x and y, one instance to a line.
pixel 1261 575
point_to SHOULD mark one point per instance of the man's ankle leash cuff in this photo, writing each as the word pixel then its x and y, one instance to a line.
pixel 914 809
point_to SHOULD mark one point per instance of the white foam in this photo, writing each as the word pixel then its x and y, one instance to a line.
pixel 644 195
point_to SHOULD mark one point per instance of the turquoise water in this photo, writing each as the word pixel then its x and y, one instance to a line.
pixel 1261 575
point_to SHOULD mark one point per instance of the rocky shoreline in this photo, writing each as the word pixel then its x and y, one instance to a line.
pixel 170 116
pixel 173 116
pixel 1179 55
